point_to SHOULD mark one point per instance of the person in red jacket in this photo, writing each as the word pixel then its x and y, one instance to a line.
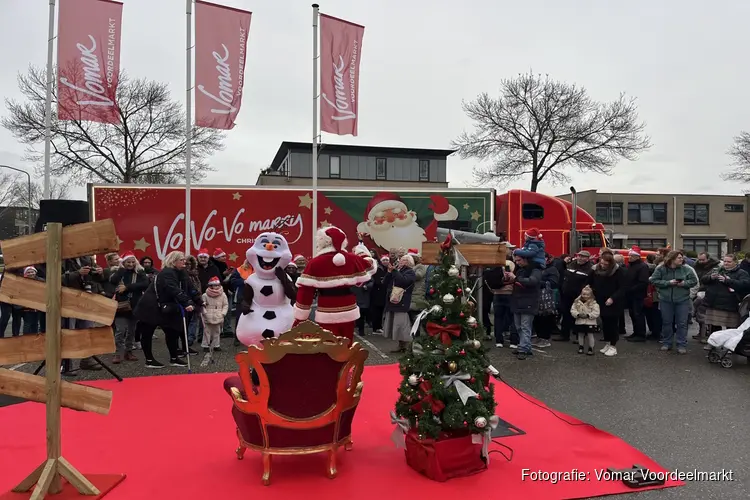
pixel 332 273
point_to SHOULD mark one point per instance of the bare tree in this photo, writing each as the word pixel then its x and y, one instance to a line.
pixel 58 190
pixel 540 127
pixel 147 145
pixel 740 154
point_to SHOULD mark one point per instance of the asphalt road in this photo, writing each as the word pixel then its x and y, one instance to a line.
pixel 680 410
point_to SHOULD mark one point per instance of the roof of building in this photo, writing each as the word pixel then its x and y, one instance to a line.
pixel 348 148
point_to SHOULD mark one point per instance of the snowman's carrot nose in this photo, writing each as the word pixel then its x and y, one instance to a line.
pixel 269 246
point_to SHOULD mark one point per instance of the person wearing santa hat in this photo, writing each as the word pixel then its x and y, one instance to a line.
pixel 533 248
pixel 219 259
pixel 213 312
pixel 130 281
pixel 33 320
pixel 332 273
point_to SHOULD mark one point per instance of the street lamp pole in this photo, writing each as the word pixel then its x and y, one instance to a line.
pixel 28 201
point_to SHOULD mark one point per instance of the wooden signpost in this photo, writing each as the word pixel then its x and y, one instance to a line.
pixel 52 248
pixel 478 254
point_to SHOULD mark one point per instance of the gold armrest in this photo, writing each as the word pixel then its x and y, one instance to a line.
pixel 237 395
pixel 358 390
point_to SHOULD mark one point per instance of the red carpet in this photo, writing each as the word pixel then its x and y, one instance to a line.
pixel 174 438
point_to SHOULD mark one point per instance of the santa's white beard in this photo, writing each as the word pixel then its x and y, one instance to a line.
pixel 411 236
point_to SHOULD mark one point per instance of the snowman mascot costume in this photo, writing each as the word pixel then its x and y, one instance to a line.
pixel 266 297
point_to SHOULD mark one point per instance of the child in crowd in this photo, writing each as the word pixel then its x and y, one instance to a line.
pixel 533 248
pixel 215 307
pixel 33 320
pixel 585 311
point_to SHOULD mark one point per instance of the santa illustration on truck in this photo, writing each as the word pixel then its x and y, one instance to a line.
pixel 390 224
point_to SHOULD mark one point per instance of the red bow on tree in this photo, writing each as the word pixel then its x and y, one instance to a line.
pixel 436 405
pixel 446 245
pixel 445 332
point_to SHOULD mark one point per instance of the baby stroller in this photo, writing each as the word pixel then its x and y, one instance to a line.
pixel 724 343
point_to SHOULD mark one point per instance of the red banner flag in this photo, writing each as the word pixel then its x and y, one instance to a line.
pixel 220 50
pixel 340 53
pixel 88 60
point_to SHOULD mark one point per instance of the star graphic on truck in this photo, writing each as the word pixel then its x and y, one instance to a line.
pixel 305 201
pixel 475 215
pixel 236 196
pixel 328 210
pixel 141 244
pixel 233 256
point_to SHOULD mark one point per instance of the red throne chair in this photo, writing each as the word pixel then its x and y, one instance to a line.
pixel 305 395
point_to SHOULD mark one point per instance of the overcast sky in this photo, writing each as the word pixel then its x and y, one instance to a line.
pixel 685 61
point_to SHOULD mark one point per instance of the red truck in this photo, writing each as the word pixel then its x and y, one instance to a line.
pixel 151 219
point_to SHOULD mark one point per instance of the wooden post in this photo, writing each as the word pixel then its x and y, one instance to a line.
pixel 52 345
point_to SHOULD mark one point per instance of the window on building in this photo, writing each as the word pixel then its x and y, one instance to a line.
pixel 532 211
pixel 381 168
pixel 424 170
pixel 713 247
pixel 609 213
pixel 734 207
pixel 647 243
pixel 335 168
pixel 696 214
pixel 647 213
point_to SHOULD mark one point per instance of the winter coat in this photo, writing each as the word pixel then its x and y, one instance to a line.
pixel 173 287
pixel 669 293
pixel 551 277
pixel 574 278
pixel 404 278
pixel 206 273
pixel 609 284
pixel 237 282
pixel 495 280
pixel 363 294
pixel 703 269
pixel 525 296
pixel 72 277
pixel 533 250
pixel 419 299
pixel 726 296
pixel 136 283
pixel 379 289
pixel 585 313
pixel 636 280
pixel 214 308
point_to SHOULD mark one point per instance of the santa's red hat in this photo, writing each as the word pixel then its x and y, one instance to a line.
pixel 203 252
pixel 219 253
pixel 214 281
pixel 533 233
pixel 298 257
pixel 332 239
pixel 127 255
pixel 29 270
pixel 635 250
pixel 412 251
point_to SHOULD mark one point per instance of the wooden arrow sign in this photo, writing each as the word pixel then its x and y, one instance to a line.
pixel 76 344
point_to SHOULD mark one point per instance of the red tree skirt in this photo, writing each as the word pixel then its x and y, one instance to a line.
pixel 175 438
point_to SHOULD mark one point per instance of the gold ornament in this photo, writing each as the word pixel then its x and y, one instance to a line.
pixel 452 366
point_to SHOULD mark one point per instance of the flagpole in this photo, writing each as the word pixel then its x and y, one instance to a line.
pixel 315 127
pixel 188 121
pixel 48 103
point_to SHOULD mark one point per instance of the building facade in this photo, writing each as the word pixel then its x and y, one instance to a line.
pixel 716 224
pixel 14 221
pixel 357 166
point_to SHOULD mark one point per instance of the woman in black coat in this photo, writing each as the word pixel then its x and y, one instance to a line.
pixel 608 283
pixel 397 322
pixel 162 305
pixel 129 281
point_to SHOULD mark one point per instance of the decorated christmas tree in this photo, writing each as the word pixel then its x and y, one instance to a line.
pixel 445 391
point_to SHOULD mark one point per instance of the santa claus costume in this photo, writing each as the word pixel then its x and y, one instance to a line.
pixel 332 273
pixel 390 224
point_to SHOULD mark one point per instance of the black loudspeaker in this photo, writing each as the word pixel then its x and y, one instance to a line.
pixel 66 212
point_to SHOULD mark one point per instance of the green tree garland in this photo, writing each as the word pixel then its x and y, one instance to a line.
pixel 431 408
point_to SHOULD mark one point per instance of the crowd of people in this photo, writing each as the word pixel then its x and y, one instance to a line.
pixel 535 298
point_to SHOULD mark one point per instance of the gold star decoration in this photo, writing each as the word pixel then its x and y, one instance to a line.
pixel 324 223
pixel 466 206
pixel 236 196
pixel 328 210
pixel 305 201
pixel 475 215
pixel 233 256
pixel 141 244
pixel 119 241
